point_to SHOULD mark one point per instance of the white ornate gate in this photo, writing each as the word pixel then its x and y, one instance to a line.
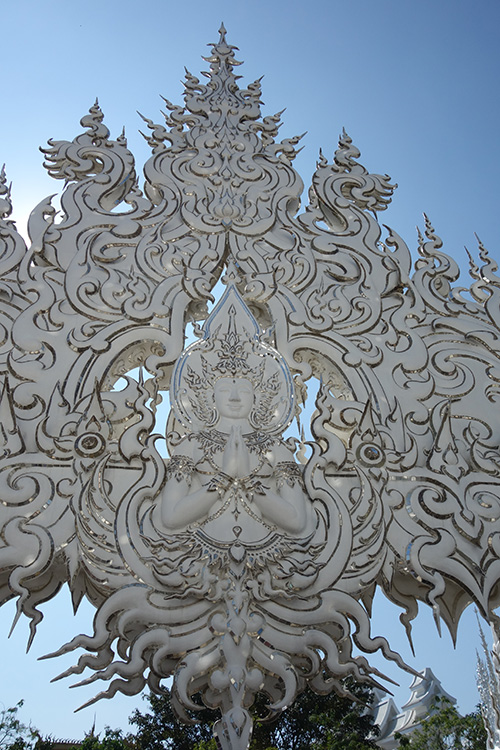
pixel 237 565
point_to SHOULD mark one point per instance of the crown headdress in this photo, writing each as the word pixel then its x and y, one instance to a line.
pixel 232 346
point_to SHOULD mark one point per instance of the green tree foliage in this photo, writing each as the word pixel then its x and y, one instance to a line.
pixel 159 728
pixel 313 722
pixel 113 739
pixel 320 722
pixel 14 735
pixel 445 729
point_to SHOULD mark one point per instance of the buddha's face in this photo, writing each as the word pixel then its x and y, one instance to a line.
pixel 234 397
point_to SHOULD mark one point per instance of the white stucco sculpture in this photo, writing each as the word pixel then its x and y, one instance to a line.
pixel 488 685
pixel 237 565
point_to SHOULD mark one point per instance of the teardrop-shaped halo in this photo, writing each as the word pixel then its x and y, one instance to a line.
pixel 232 346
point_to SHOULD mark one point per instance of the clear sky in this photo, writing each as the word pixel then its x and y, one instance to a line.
pixel 415 84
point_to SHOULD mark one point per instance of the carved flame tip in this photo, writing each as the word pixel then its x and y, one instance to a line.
pixel 479 242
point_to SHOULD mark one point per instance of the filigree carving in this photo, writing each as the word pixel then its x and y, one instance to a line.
pixel 237 565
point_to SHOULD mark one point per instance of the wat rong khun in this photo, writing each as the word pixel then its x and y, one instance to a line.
pixel 245 563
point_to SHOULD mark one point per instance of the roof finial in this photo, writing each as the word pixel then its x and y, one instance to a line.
pixel 222 32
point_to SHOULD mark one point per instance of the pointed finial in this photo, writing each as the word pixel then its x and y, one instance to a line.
pixel 5 191
pixel 4 188
pixel 489 268
pixel 15 620
pixel 483 252
pixel 436 613
pixel 222 58
pixel 473 267
pixel 430 232
pixel 122 139
pixel 481 632
pixel 168 103
pixel 322 160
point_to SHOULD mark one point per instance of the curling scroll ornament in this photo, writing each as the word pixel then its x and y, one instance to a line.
pixel 236 564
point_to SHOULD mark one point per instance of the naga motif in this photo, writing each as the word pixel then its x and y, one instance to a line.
pixel 238 564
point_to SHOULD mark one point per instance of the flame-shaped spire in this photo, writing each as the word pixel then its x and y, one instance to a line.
pixel 222 60
pixel 5 199
pixel 490 267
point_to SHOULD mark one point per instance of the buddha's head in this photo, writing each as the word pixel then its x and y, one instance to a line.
pixel 234 397
pixel 232 373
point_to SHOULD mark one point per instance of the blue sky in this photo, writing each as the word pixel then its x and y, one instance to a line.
pixel 415 84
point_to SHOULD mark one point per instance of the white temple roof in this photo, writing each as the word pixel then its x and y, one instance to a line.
pixel 425 688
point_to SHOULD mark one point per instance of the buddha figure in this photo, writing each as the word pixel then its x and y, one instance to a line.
pixel 235 478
